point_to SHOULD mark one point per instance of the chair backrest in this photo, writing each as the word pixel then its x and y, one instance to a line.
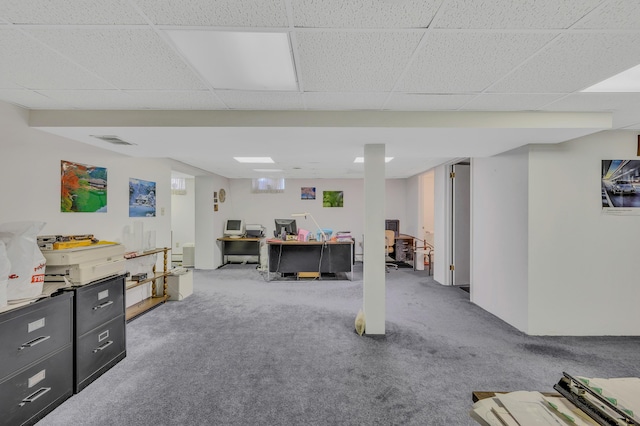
pixel 389 238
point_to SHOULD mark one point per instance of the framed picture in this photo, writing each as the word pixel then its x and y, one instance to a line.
pixel 620 186
pixel 308 193
pixel 142 198
pixel 215 207
pixel 333 199
pixel 83 188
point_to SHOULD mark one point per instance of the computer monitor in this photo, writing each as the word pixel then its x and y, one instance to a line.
pixel 234 228
pixel 392 225
pixel 289 225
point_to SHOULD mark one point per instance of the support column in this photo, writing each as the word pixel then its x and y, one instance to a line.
pixel 374 293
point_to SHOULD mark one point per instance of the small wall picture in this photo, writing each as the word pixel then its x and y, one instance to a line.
pixel 333 199
pixel 620 186
pixel 215 207
pixel 308 193
pixel 142 198
pixel 83 188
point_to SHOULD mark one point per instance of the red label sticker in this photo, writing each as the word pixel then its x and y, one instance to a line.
pixel 37 278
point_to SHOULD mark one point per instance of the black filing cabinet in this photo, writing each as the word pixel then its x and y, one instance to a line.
pixel 99 331
pixel 36 359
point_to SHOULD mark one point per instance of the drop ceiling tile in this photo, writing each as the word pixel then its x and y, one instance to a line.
pixel 25 59
pixel 625 106
pixel 364 13
pixel 615 14
pixel 468 61
pixel 573 62
pixel 509 102
pixel 194 100
pixel 512 13
pixel 127 58
pixel 30 99
pixel 69 12
pixel 225 13
pixel 255 100
pixel 353 61
pixel 344 101
pixel 91 99
pixel 423 102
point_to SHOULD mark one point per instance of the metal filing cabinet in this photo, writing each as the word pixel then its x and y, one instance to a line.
pixel 99 332
pixel 36 372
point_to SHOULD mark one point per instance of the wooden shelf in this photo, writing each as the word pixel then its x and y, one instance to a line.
pixel 158 296
pixel 143 306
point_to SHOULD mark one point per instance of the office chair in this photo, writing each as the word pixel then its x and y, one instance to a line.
pixel 389 238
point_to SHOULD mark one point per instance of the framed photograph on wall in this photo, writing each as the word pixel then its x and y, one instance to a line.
pixel 620 186
pixel 142 198
pixel 308 193
pixel 332 198
pixel 83 188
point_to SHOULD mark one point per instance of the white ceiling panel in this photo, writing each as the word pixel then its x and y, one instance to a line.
pixel 223 13
pixel 344 101
pixel 487 14
pixel 364 13
pixel 509 102
pixel 129 59
pixel 29 64
pixel 615 15
pixel 354 61
pixel 176 100
pixel 573 62
pixel 468 62
pixel 425 102
pixel 255 100
pixel 77 12
pixel 30 98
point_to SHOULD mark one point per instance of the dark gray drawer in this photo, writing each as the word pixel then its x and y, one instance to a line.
pixel 98 303
pixel 35 391
pixel 98 350
pixel 34 331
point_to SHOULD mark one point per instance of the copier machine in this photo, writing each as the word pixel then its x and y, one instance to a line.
pixel 82 265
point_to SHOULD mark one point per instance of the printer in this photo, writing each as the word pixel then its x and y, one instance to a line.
pixel 82 265
pixel 254 231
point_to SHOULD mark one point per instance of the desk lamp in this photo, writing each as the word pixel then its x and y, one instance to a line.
pixel 314 221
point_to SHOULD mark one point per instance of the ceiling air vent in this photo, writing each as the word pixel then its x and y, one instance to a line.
pixel 112 139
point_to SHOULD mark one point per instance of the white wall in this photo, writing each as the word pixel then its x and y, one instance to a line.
pixel 183 213
pixel 428 198
pixel 499 235
pixel 30 172
pixel 209 223
pixel 583 264
pixel 441 219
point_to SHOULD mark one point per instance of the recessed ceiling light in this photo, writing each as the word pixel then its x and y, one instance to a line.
pixel 253 159
pixel 361 159
pixel 626 81
pixel 239 60
pixel 267 170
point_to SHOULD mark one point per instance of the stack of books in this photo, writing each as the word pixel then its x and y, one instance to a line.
pixel 343 236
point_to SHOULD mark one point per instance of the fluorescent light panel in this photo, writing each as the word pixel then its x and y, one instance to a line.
pixel 254 160
pixel 626 81
pixel 361 159
pixel 239 60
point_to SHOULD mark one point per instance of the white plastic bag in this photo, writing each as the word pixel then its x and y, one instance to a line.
pixel 26 277
pixel 5 270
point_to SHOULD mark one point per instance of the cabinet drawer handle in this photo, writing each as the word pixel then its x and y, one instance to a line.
pixel 103 347
pixel 34 342
pixel 31 398
pixel 103 305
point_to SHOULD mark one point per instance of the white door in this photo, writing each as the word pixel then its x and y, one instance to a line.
pixel 460 223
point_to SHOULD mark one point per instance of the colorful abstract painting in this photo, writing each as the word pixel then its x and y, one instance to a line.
pixel 142 198
pixel 83 188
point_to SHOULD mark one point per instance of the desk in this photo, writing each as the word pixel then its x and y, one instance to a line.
pixel 403 248
pixel 239 247
pixel 313 256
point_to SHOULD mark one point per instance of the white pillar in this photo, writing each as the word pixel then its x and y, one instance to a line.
pixel 374 244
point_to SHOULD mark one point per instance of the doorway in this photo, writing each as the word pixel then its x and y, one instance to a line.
pixel 460 264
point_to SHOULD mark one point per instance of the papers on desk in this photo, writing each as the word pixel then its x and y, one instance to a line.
pixel 528 408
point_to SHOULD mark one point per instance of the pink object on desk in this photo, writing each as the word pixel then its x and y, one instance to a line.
pixel 303 235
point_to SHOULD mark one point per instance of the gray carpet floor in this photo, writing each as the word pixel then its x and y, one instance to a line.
pixel 244 351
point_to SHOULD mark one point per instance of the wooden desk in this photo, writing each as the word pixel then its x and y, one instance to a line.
pixel 239 247
pixel 312 256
